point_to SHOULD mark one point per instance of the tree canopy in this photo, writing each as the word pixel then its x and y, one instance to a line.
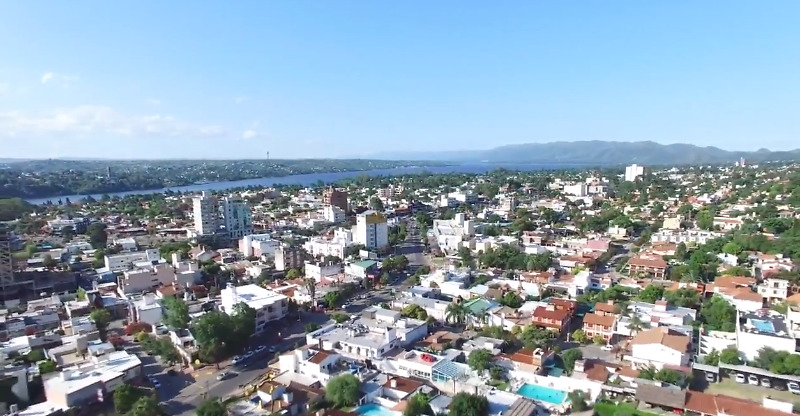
pixel 465 404
pixel 342 391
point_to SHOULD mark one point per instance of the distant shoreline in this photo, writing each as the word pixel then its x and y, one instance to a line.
pixel 313 178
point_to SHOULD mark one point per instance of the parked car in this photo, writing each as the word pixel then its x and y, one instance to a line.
pixel 154 382
pixel 272 350
pixel 248 354
pixel 740 378
pixel 260 349
pixel 766 383
pixel 223 375
pixel 793 387
pixel 752 380
pixel 236 360
pixel 607 347
pixel 711 377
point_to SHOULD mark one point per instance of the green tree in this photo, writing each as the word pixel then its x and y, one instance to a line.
pixel 534 337
pixel 456 313
pixel 311 286
pixel 213 327
pixel 480 360
pixel 376 204
pixel 598 340
pixel 636 325
pixel 97 235
pixel 569 357
pixel 465 404
pixel 418 405
pixel 80 294
pixel 342 391
pixel 332 299
pixel 176 313
pixel 705 219
pixel 146 406
pixel 512 300
pixel 718 315
pixel 125 396
pixel 580 336
pixel 292 274
pixel 340 317
pixel 730 355
pixel 651 294
pixel 212 407
pixel 46 367
pixel 669 376
pixel 415 312
pixel 101 318
pixel 732 248
pixel 48 262
pixel 712 358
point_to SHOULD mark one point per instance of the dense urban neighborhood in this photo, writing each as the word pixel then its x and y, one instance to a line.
pixel 618 291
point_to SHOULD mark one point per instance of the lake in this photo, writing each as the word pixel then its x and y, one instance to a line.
pixel 313 178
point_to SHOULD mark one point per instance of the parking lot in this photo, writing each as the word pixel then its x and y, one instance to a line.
pixel 730 387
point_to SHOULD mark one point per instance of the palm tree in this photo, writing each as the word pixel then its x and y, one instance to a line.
pixel 636 325
pixel 456 313
pixel 311 286
pixel 691 277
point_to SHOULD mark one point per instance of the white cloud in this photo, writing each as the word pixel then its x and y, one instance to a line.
pixel 59 79
pixel 249 134
pixel 89 119
pixel 154 101
pixel 240 99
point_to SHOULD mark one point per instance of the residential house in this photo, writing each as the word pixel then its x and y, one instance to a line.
pixel 658 347
pixel 649 265
pixel 552 317
pixel 773 289
pixel 601 322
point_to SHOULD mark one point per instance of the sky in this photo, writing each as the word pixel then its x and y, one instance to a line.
pixel 299 79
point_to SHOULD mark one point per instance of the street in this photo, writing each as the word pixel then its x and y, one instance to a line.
pixel 183 392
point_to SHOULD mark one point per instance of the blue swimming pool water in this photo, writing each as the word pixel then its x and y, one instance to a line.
pixel 543 394
pixel 763 326
pixel 372 409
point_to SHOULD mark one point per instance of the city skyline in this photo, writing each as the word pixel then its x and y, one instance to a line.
pixel 352 79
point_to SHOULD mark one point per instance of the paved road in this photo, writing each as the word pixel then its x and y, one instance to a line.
pixel 182 393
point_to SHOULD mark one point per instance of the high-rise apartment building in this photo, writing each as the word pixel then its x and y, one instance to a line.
pixel 236 217
pixel 335 197
pixel 6 267
pixel 206 214
pixel 372 230
pixel 633 171
pixel 230 217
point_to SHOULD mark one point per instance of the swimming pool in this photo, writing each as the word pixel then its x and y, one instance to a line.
pixel 372 409
pixel 542 394
pixel 763 326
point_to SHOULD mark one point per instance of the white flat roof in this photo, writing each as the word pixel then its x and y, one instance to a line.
pixel 253 295
pixel 83 376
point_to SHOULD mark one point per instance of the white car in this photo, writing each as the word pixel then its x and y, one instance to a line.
pixel 740 378
pixel 766 383
pixel 793 387
pixel 711 377
pixel 607 347
pixel 236 360
pixel 154 382
pixel 260 349
pixel 752 380
pixel 249 354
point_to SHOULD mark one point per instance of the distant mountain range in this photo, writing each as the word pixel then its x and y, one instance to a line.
pixel 597 152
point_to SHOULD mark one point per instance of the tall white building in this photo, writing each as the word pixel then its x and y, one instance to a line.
pixel 231 216
pixel 576 189
pixel 236 217
pixel 372 230
pixel 633 171
pixel 206 214
pixel 334 214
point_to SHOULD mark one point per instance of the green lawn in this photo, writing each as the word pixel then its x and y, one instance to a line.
pixel 612 409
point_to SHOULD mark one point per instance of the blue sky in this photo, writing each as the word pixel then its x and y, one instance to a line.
pixel 211 79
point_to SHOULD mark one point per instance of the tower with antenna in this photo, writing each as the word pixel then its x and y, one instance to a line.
pixel 267 155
